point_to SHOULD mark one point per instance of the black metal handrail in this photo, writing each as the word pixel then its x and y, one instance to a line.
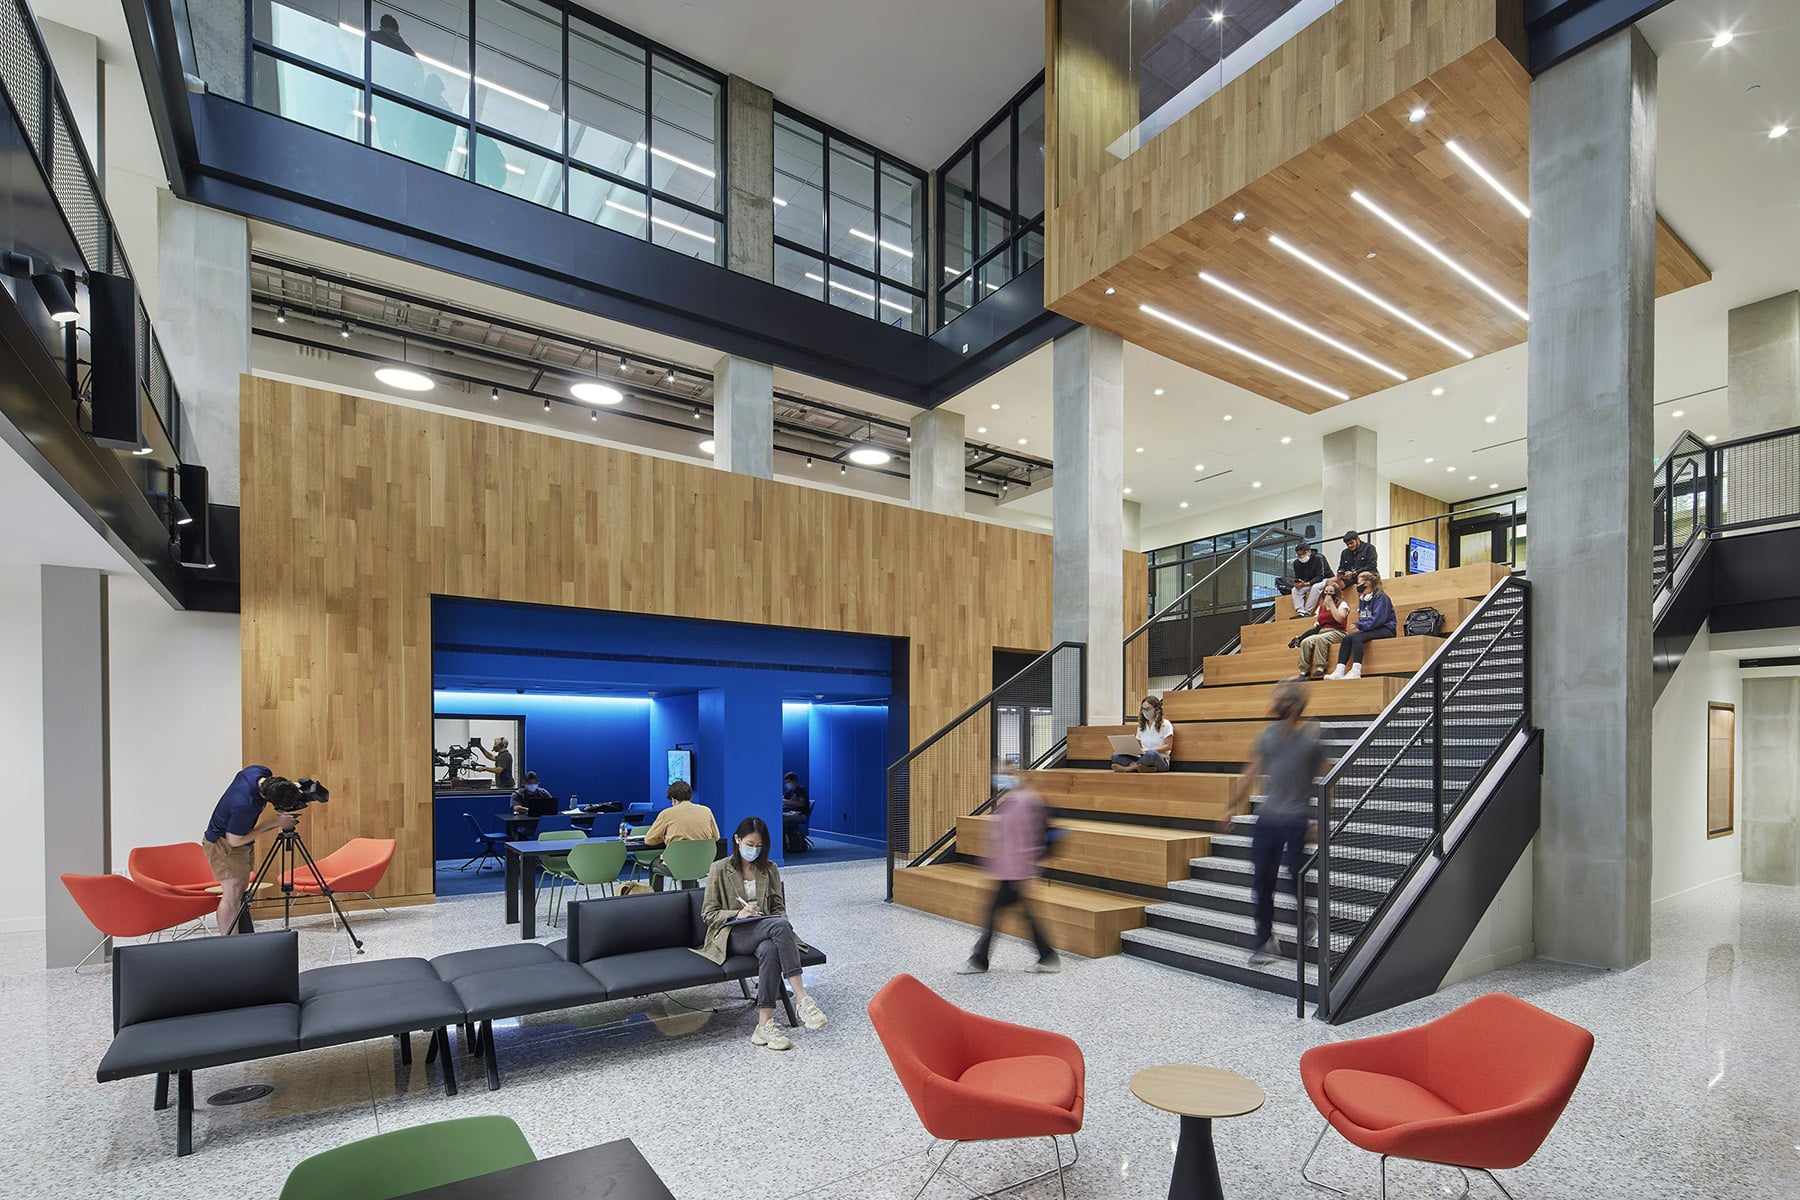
pixel 1073 693
pixel 1701 473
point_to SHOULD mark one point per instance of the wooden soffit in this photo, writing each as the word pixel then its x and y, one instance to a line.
pixel 1479 99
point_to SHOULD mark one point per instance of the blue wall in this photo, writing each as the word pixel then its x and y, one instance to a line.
pixel 847 771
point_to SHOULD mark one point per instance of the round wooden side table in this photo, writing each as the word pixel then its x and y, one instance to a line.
pixel 1199 1096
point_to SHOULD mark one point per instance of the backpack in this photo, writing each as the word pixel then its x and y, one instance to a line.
pixel 1424 622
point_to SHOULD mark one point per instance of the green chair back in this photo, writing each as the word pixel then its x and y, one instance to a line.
pixel 558 864
pixel 688 860
pixel 597 861
pixel 410 1160
pixel 644 857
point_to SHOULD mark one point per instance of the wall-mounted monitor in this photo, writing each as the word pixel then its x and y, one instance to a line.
pixel 681 766
pixel 476 754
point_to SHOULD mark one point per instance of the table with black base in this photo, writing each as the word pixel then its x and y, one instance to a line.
pixel 614 1170
pixel 521 878
pixel 1199 1096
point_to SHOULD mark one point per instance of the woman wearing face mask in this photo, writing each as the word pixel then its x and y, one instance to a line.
pixel 1375 620
pixel 748 885
pixel 1156 741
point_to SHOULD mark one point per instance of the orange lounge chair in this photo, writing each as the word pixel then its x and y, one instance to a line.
pixel 180 867
pixel 355 868
pixel 121 907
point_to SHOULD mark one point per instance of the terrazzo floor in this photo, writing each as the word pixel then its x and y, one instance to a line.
pixel 1693 1091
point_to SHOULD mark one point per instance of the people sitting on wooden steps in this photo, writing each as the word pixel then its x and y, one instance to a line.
pixel 1309 579
pixel 1358 556
pixel 1156 741
pixel 1329 625
pixel 1376 621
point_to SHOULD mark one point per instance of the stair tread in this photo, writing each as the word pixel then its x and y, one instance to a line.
pixel 1214 952
pixel 1284 923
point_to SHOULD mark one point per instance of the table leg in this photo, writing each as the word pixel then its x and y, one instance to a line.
pixel 528 896
pixel 1196 1165
pixel 512 886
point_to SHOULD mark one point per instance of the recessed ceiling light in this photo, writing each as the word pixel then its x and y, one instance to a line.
pixel 1416 115
pixel 708 446
pixel 1449 470
pixel 995 407
pixel 869 456
pixel 1438 391
pixel 1430 460
pixel 1140 449
pixel 1490 418
pixel 1021 441
pixel 596 393
pixel 1468 160
pixel 1492 486
pixel 1256 483
pixel 1254 357
pixel 1112 291
pixel 1471 479
pixel 1411 235
pixel 1237 218
pixel 1227 417
pixel 1678 413
pixel 1712 437
pixel 1157 392
pixel 981 429
pixel 1302 326
pixel 1778 131
pixel 1366 294
pixel 1721 39
pixel 1199 466
pixel 1128 491
pixel 1184 504
pixel 1287 441
pixel 404 379
pixel 1218 17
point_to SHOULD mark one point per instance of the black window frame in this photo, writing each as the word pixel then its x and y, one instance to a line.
pixel 1020 225
pixel 873 276
pixel 473 128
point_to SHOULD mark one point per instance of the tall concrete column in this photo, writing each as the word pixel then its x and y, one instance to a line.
pixel 744 417
pixel 203 323
pixel 1133 524
pixel 750 179
pixel 77 800
pixel 937 462
pixel 1349 490
pixel 1087 596
pixel 1763 372
pixel 1769 791
pixel 1588 427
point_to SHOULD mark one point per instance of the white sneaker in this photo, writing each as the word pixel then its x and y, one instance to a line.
pixel 811 1015
pixel 972 968
pixel 1337 672
pixel 770 1036
pixel 1355 672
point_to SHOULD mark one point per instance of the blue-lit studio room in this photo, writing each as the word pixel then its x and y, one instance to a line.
pixel 606 708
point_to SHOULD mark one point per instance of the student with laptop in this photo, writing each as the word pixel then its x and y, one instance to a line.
pixel 1150 748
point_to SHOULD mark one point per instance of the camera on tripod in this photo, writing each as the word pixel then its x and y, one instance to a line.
pixel 304 792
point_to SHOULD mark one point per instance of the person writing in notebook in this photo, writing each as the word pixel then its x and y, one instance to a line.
pixel 739 890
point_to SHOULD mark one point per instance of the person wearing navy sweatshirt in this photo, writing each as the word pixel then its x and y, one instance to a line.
pixel 1374 620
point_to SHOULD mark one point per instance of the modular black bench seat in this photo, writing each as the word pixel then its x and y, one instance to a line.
pixel 182 1006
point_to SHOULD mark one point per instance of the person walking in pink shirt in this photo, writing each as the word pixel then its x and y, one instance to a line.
pixel 1015 850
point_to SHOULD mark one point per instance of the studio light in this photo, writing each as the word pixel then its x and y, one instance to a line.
pixel 1215 339
pixel 53 290
pixel 404 378
pixel 590 392
pixel 869 456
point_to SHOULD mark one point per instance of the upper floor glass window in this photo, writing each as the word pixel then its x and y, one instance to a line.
pixel 521 96
pixel 849 223
pixel 992 204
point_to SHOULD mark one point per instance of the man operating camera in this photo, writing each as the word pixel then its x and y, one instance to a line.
pixel 236 821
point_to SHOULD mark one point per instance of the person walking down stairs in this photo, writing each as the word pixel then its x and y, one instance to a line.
pixel 1290 753
pixel 1375 621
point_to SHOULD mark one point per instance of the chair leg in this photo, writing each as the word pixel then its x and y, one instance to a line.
pixel 1315 1184
pixel 405 1040
pixel 431 1051
pixel 787 1003
pixel 184 1114
pixel 934 1171
pixel 488 1053
pixel 1493 1180
pixel 162 1091
pixel 441 1036
pixel 1059 1170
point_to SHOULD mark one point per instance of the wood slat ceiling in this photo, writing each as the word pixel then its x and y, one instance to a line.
pixel 1481 101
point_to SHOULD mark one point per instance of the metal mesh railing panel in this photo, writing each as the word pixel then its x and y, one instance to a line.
pixel 22 71
pixel 1679 507
pixel 76 193
pixel 1760 481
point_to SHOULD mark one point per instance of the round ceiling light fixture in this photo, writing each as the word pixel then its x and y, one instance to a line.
pixel 1721 39
pixel 404 378
pixel 590 392
pixel 868 456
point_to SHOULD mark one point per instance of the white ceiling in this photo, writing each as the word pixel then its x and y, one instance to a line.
pixel 46 529
pixel 1731 192
pixel 914 77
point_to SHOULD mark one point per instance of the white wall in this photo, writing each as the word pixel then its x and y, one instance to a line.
pixel 1682 857
pixel 22 719
pixel 1504 935
pixel 177 726
pixel 1260 511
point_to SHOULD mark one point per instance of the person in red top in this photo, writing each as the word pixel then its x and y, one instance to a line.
pixel 1329 625
pixel 1018 839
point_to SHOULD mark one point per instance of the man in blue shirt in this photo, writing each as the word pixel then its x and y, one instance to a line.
pixel 237 819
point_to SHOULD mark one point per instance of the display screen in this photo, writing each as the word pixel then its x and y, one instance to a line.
pixel 681 766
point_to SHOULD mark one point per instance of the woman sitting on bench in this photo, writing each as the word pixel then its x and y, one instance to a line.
pixel 1156 741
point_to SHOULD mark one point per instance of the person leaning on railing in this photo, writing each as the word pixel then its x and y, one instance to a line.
pixel 1374 622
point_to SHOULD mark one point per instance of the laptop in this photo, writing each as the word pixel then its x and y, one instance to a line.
pixel 1125 743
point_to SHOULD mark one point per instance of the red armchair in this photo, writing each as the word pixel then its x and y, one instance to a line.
pixel 972 1078
pixel 1478 1089
pixel 180 867
pixel 120 907
pixel 353 868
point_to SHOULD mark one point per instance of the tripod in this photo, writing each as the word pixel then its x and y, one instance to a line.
pixel 287 846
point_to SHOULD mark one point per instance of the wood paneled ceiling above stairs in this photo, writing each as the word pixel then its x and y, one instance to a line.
pixel 1406 168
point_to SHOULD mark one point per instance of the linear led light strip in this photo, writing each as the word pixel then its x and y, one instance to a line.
pixel 1282 244
pixel 429 61
pixel 680 162
pixel 1216 340
pixel 1406 231
pixel 1468 160
pixel 873 240
pixel 844 287
pixel 1302 326
pixel 642 216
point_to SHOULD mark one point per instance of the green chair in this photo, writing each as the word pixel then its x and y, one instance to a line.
pixel 410 1160
pixel 688 860
pixel 556 866
pixel 595 863
pixel 646 858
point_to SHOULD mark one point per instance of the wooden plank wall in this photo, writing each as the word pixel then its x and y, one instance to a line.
pixel 1404 504
pixel 356 512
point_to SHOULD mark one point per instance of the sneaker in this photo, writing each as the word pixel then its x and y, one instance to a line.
pixel 1047 966
pixel 1337 672
pixel 811 1015
pixel 1263 954
pixel 972 967
pixel 1355 672
pixel 770 1036
pixel 1309 932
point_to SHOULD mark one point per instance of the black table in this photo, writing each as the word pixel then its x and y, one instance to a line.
pixel 613 1170
pixel 1199 1096
pixel 519 826
pixel 584 818
pixel 521 877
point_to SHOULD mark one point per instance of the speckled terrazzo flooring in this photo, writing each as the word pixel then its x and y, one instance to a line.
pixel 1694 1088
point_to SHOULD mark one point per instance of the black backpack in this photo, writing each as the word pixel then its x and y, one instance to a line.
pixel 1424 622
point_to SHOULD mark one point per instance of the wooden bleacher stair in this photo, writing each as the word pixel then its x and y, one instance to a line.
pixel 1150 865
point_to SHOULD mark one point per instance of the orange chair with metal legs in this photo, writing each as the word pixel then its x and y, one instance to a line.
pixel 1478 1089
pixel 178 867
pixel 120 907
pixel 354 868
pixel 973 1079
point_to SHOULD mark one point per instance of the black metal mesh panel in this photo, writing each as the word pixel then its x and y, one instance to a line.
pixel 76 193
pixel 1387 798
pixel 1761 481
pixel 22 71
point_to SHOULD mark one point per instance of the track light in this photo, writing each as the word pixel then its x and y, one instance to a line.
pixel 280 316
pixel 546 404
pixel 494 395
pixel 809 462
pixel 53 290
pixel 624 365
pixel 696 412
pixel 669 378
pixel 344 330
pixel 593 414
pixel 842 469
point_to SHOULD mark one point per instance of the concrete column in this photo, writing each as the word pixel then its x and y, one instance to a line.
pixel 203 323
pixel 744 417
pixel 1763 372
pixel 1133 525
pixel 1769 791
pixel 937 462
pixel 1087 596
pixel 750 179
pixel 1588 426
pixel 77 801
pixel 220 38
pixel 1350 492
